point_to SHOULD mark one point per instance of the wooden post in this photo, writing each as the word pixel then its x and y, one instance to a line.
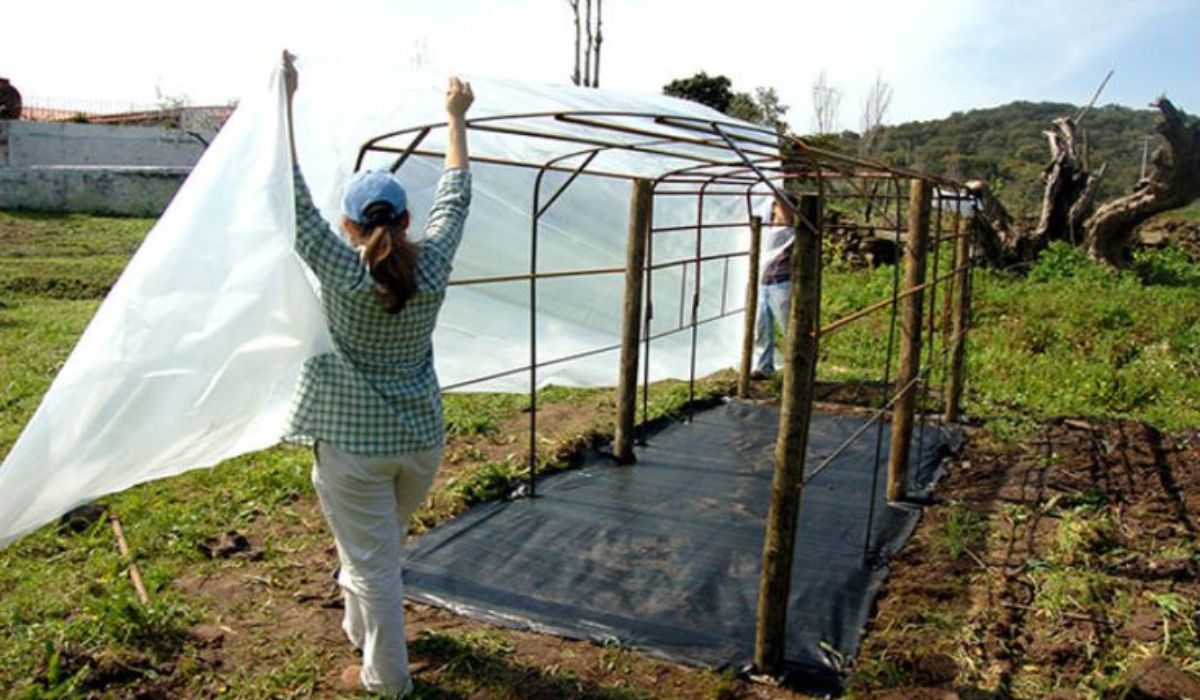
pixel 751 317
pixel 910 338
pixel 134 575
pixel 640 206
pixel 799 368
pixel 958 341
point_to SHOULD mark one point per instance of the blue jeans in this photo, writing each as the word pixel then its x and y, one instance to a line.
pixel 772 308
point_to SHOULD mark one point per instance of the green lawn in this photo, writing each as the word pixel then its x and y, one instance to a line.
pixel 1067 339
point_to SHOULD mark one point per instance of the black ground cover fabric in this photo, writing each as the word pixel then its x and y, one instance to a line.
pixel 664 555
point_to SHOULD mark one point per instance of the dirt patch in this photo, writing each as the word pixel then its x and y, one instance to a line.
pixel 1047 567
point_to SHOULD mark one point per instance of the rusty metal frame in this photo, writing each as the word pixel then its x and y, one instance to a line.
pixel 711 158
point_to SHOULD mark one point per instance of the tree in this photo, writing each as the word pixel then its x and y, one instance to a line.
pixel 875 107
pixel 712 91
pixel 827 100
pixel 588 54
pixel 763 107
pixel 772 109
pixel 1069 190
pixel 1173 182
pixel 743 106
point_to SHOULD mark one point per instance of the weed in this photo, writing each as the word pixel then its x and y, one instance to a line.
pixel 487 482
pixel 1084 533
pixel 959 529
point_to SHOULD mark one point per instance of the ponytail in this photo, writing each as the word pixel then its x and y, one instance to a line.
pixel 390 257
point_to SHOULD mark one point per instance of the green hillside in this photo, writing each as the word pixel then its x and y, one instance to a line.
pixel 1005 146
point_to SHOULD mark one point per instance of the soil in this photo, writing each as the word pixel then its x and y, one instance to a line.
pixel 262 612
pixel 1147 481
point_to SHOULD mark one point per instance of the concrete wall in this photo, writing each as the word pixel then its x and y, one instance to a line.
pixel 93 168
pixel 27 144
pixel 126 191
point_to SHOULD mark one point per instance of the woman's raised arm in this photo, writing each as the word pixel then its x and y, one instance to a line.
pixel 458 100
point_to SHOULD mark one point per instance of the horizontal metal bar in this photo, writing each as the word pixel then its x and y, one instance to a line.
pixel 697 193
pixel 702 259
pixel 717 145
pixel 526 276
pixel 586 353
pixel 845 320
pixel 513 163
pixel 693 227
pixel 639 148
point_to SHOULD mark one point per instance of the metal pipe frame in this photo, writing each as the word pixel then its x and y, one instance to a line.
pixel 715 158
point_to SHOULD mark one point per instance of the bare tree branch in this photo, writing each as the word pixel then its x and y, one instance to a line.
pixel 875 107
pixel 827 100
pixel 587 54
pixel 599 39
pixel 575 10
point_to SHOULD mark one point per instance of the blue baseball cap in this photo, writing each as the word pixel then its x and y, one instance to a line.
pixel 368 187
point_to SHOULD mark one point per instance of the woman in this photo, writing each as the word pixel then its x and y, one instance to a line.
pixel 373 408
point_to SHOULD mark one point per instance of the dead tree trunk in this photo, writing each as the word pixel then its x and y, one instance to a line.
pixel 1173 182
pixel 1066 181
pixel 1002 241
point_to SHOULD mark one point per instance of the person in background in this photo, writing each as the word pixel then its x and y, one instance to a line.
pixel 774 290
pixel 373 408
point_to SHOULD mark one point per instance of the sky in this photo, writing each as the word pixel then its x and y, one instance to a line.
pixel 939 56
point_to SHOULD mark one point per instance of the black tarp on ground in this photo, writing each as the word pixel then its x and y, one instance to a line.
pixel 664 556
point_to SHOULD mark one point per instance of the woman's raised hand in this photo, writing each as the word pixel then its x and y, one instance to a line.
pixel 458 97
pixel 291 79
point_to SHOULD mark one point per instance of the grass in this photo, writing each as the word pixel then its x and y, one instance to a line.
pixel 69 616
pixel 1067 339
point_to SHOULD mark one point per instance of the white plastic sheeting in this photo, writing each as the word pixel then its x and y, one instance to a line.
pixel 194 355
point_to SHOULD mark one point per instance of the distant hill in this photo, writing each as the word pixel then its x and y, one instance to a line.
pixel 1005 146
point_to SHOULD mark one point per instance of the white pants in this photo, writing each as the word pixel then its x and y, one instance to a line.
pixel 367 501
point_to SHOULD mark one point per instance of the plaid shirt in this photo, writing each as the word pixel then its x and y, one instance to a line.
pixel 377 394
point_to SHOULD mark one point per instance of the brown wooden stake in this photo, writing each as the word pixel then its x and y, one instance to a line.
pixel 958 341
pixel 751 317
pixel 910 338
pixel 799 367
pixel 640 207
pixel 134 575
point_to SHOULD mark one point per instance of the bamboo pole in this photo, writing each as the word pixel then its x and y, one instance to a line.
pixel 751 317
pixel 640 205
pixel 800 361
pixel 134 574
pixel 962 307
pixel 910 338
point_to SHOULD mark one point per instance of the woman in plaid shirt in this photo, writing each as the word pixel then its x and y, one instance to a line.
pixel 373 408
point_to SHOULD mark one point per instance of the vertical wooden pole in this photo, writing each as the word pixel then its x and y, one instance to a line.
pixel 799 368
pixel 958 341
pixel 640 205
pixel 751 317
pixel 910 337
